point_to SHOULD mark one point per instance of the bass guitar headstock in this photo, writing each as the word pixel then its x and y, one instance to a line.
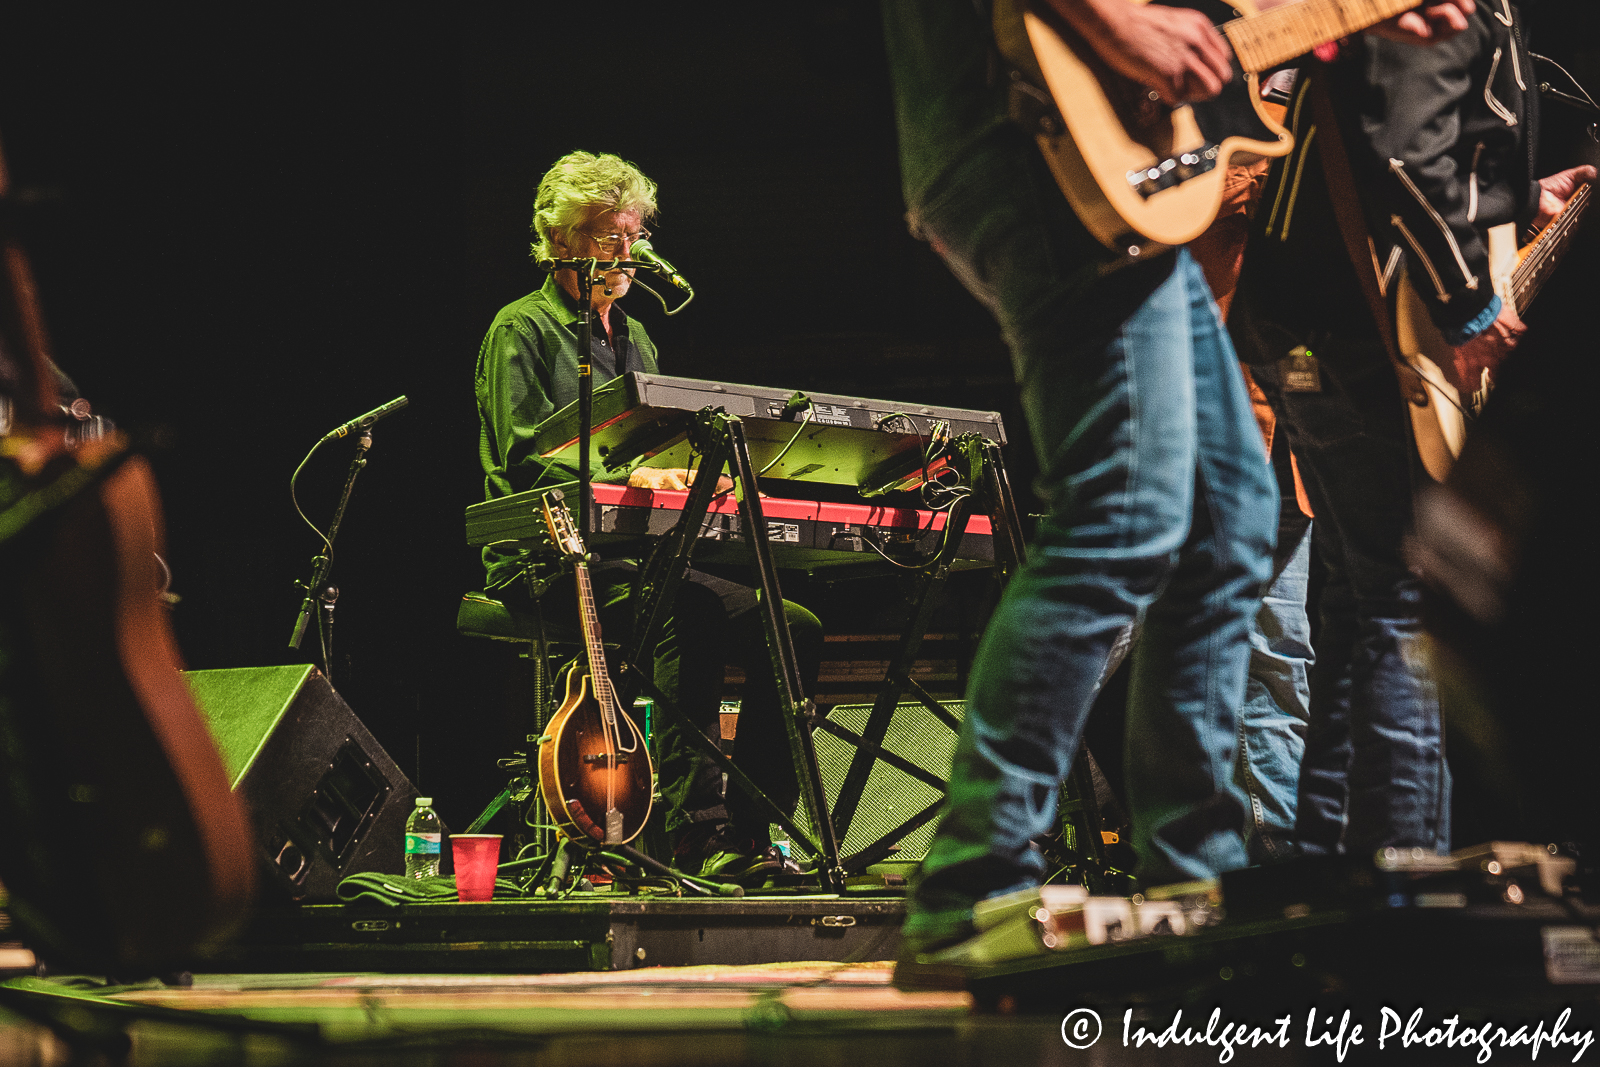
pixel 563 534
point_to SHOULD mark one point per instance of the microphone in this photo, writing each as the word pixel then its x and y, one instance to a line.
pixel 641 252
pixel 368 419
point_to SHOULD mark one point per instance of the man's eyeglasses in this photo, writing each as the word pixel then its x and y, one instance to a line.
pixel 612 243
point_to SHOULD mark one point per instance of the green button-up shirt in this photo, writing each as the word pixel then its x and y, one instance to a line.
pixel 527 371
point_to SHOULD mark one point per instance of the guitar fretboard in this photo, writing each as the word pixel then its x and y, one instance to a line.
pixel 1547 249
pixel 1276 36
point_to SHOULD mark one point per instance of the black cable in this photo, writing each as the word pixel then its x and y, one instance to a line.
pixel 870 543
pixel 294 498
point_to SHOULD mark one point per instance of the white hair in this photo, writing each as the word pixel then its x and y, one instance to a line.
pixel 581 182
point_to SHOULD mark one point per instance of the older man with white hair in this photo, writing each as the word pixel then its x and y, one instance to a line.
pixel 596 206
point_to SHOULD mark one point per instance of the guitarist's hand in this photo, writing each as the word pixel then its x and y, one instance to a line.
pixel 1174 50
pixel 1556 190
pixel 1434 21
pixel 1484 352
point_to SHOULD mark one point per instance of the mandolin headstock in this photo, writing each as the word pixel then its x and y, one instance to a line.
pixel 563 535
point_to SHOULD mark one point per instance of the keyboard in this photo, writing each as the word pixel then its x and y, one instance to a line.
pixel 806 535
pixel 871 445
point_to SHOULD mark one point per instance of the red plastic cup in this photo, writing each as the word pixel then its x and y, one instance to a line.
pixel 477 860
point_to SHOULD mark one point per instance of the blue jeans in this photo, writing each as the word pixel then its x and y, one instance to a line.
pixel 1161 513
pixel 1277 692
pixel 1374 774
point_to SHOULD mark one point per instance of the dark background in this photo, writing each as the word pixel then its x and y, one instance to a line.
pixel 250 226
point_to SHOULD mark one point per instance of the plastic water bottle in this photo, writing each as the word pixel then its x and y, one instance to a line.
pixel 423 834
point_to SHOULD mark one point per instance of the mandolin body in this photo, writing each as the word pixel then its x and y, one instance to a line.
pixel 575 770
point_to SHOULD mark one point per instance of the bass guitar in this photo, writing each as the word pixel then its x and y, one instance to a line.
pixel 594 768
pixel 1439 414
pixel 1143 176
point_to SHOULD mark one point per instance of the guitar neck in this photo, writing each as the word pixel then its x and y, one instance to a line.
pixel 592 643
pixel 1273 37
pixel 1540 257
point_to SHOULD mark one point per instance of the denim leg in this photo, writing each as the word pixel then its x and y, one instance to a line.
pixel 1277 697
pixel 1122 379
pixel 1189 668
pixel 1374 754
pixel 1324 801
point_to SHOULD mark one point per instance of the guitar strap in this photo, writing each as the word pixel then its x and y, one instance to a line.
pixel 1353 228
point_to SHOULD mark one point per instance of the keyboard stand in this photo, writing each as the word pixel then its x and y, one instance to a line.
pixel 982 469
pixel 720 440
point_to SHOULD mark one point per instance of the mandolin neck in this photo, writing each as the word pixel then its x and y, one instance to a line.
pixel 1539 259
pixel 1280 34
pixel 592 643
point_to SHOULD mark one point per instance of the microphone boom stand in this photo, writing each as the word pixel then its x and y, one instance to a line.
pixel 586 281
pixel 590 273
pixel 323 563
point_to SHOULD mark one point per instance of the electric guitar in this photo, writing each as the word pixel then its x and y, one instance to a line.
pixel 1439 414
pixel 1143 176
pixel 594 769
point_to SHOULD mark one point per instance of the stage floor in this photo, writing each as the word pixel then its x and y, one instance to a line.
pixel 1324 988
pixel 776 1013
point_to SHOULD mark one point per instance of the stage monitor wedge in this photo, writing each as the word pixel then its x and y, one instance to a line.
pixel 892 797
pixel 325 799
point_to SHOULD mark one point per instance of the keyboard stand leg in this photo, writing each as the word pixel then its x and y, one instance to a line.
pixel 799 711
pixel 669 558
pixel 985 472
pixel 720 440
pixel 1010 547
pixel 713 751
pixel 930 587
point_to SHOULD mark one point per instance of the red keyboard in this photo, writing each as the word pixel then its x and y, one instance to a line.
pixel 803 534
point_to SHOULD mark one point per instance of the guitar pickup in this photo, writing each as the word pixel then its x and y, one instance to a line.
pixel 1174 170
pixel 601 757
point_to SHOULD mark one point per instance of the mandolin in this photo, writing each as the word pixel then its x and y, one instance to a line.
pixel 1143 176
pixel 1439 415
pixel 594 769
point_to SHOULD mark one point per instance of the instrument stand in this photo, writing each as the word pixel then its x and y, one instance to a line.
pixel 586 282
pixel 1083 826
pixel 570 864
pixel 720 440
pixel 326 601
pixel 318 588
pixel 544 700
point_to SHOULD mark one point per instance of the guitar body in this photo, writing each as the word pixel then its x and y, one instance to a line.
pixel 576 773
pixel 1438 418
pixel 1140 175
pixel 1439 414
pixel 127 851
pixel 1438 411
